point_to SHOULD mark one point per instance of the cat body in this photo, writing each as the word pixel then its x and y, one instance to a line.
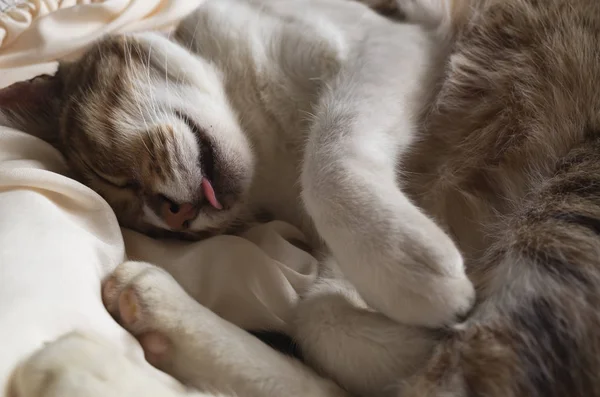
pixel 326 115
pixel 271 111
pixel 299 109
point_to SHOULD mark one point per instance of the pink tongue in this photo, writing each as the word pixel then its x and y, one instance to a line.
pixel 209 192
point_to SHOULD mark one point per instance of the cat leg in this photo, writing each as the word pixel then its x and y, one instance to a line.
pixel 362 350
pixel 400 261
pixel 197 347
pixel 79 365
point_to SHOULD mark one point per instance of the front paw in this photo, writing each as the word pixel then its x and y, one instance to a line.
pixel 179 336
pixel 197 347
pixel 419 281
pixel 437 290
pixel 440 301
pixel 79 365
pixel 151 305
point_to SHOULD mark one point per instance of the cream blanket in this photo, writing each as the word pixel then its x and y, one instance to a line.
pixel 59 239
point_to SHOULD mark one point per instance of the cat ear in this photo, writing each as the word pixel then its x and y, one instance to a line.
pixel 33 106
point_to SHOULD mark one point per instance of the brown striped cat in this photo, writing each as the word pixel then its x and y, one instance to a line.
pixel 478 118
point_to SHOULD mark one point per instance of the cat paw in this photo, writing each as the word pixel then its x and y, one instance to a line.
pixel 78 365
pixel 196 346
pixel 151 305
pixel 450 300
pixel 437 291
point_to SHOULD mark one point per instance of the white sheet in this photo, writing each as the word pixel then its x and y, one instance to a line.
pixel 59 239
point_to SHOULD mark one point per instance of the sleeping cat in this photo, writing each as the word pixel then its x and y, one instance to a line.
pixel 266 116
pixel 484 115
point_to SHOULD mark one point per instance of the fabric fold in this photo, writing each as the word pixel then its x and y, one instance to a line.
pixel 36 31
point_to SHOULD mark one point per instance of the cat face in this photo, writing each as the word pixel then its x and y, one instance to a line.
pixel 147 126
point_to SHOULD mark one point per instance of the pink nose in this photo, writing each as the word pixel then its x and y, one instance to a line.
pixel 175 216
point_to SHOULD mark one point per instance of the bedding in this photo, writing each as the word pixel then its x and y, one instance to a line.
pixel 59 239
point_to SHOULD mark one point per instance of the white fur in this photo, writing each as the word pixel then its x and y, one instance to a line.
pixel 327 93
pixel 86 365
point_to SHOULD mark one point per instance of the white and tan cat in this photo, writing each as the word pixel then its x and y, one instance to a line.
pixel 299 109
pixel 318 112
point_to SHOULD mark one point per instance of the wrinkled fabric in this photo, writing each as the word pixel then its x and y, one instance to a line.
pixel 41 31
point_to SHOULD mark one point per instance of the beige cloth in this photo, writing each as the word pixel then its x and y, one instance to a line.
pixel 59 239
pixel 38 31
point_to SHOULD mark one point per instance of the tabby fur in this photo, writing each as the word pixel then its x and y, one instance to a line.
pixel 511 148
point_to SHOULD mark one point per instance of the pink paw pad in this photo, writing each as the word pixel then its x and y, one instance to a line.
pixel 129 307
pixel 156 346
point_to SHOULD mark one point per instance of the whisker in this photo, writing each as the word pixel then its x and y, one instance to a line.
pixel 128 63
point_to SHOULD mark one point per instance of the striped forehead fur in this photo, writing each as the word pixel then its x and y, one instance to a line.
pixel 139 110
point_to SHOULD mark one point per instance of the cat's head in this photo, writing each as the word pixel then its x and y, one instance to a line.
pixel 148 126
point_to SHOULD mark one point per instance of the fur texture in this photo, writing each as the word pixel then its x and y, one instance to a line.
pixel 512 141
pixel 484 115
pixel 285 127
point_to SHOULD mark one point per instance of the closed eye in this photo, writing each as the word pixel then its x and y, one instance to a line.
pixel 121 183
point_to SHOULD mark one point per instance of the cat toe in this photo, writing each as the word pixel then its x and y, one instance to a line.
pixel 117 282
pixel 444 302
pixel 458 296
